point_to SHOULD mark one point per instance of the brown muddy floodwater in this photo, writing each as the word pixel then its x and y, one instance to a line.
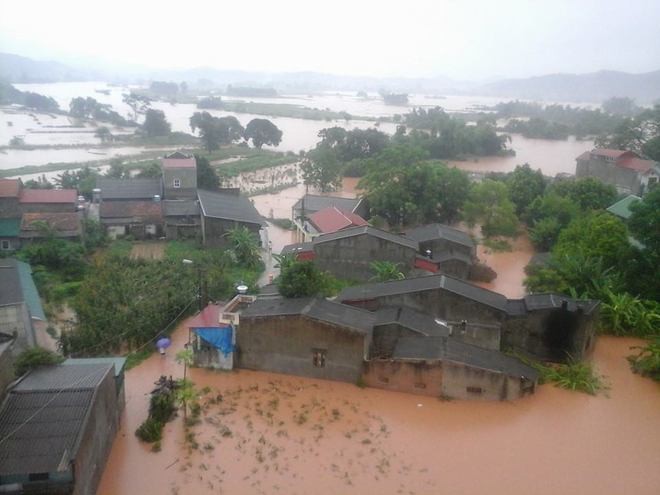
pixel 264 433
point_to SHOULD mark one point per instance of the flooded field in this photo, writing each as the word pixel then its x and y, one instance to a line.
pixel 265 433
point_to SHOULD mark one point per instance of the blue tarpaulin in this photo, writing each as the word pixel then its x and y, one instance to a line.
pixel 218 337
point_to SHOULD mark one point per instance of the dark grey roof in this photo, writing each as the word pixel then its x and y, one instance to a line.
pixel 78 377
pixel 180 208
pixel 129 188
pixel 44 415
pixel 442 257
pixel 439 231
pixel 229 207
pixel 368 230
pixel 294 248
pixel 315 308
pixel 314 203
pixel 419 284
pixel 448 349
pixel 10 284
pixel 551 301
pixel 119 363
pixel 413 320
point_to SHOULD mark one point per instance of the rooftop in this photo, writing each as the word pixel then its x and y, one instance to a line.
pixel 357 320
pixel 424 283
pixel 60 223
pixel 52 196
pixel 129 188
pixel 117 362
pixel 228 206
pixel 10 188
pixel 448 349
pixel 179 160
pixel 144 210
pixel 332 219
pixel 367 230
pixel 295 248
pixel 18 286
pixel 313 202
pixel 180 208
pixel 435 231
pixel 622 207
pixel 208 317
pixel 408 318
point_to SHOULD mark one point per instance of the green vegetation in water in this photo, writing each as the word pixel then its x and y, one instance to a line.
pixel 498 245
pixel 272 189
pixel 647 360
pixel 283 223
pixel 576 376
pixel 290 110
pixel 135 358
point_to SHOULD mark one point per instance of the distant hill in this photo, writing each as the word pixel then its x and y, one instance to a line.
pixel 596 87
pixel 17 69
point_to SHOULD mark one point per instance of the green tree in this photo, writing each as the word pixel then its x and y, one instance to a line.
pixel 207 178
pixel 489 204
pixel 151 171
pixel 104 134
pixel 644 222
pixel 33 358
pixel 386 270
pixel 117 170
pixel 245 245
pixel 215 131
pixel 621 105
pixel 262 131
pixel 155 123
pixel 321 169
pixel 633 134
pixel 525 185
pixel 83 179
pixel 138 103
pixel 588 193
pixel 301 279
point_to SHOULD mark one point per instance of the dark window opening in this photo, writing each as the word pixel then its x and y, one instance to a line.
pixel 474 390
pixel 383 379
pixel 38 476
pixel 318 357
pixel 420 385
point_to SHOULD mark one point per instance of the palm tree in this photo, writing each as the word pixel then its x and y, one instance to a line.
pixel 386 270
pixel 244 245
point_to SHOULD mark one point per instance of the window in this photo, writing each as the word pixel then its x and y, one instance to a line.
pixel 318 357
pixel 5 245
pixel 176 182
pixel 38 476
pixel 474 390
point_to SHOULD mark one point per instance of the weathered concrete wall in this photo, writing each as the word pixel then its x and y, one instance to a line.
pixel 15 320
pixel 455 268
pixel 414 377
pixel 6 367
pixel 551 334
pixel 9 208
pixel 625 180
pixel 385 338
pixel 215 229
pixel 14 243
pixel 286 344
pixel 97 438
pixel 439 246
pixel 464 382
pixel 350 258
pixel 188 183
pixel 179 231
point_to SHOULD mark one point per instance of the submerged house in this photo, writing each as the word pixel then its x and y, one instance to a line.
pixel 58 424
pixel 546 326
pixel 222 212
pixel 310 204
pixel 212 340
pixel 625 170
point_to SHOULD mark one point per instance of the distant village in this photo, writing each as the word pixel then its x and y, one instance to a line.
pixel 434 332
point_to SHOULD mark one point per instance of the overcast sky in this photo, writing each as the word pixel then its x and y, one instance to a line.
pixel 461 39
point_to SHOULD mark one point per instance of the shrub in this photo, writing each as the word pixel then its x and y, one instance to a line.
pixel 34 357
pixel 578 376
pixel 647 360
pixel 162 407
pixel 151 430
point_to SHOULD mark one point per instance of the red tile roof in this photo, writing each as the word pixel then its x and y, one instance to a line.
pixel 59 222
pixel 145 210
pixel 209 317
pixel 179 160
pixel 332 219
pixel 10 188
pixel 637 164
pixel 49 196
pixel 612 153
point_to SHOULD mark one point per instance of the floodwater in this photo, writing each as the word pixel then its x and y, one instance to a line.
pixel 265 433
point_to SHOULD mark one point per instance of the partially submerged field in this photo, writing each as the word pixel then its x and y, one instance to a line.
pixel 268 433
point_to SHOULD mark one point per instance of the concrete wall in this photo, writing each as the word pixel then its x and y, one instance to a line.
pixel 455 268
pixel 179 231
pixel 15 320
pixel 6 367
pixel 285 344
pixel 438 246
pixel 625 180
pixel 551 334
pixel 14 243
pixel 385 338
pixel 461 381
pixel 188 180
pixel 97 438
pixel 350 258
pixel 9 208
pixel 48 207
pixel 214 230
pixel 414 377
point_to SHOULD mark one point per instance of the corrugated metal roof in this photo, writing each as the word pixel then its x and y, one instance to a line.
pixel 367 230
pixel 229 207
pixel 129 188
pixel 611 153
pixel 419 284
pixel 434 231
pixel 49 196
pixel 622 207
pixel 70 377
pixel 295 248
pixel 448 349
pixel 147 211
pixel 17 286
pixel 332 219
pixel 315 308
pixel 30 293
pixel 61 223
pixel 180 208
pixel 118 362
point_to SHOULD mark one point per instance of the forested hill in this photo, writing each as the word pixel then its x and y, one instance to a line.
pixel 596 87
pixel 17 69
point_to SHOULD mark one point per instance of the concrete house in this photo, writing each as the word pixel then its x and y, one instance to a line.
pixel 21 313
pixel 312 203
pixel 68 417
pixel 182 219
pixel 625 170
pixel 331 219
pixel 307 337
pixel 179 176
pixel 36 226
pixel 348 253
pixel 10 228
pixel 451 250
pixel 222 212
pixel 140 219
pixel 547 326
pixel 127 190
pixel 10 193
pixel 48 200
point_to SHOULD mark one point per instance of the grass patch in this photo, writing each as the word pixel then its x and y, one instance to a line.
pixel 272 189
pixel 135 358
pixel 577 376
pixel 647 361
pixel 498 245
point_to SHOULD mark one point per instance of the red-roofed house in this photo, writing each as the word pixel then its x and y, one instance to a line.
pixel 48 200
pixel 212 341
pixel 625 170
pixel 40 225
pixel 332 219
